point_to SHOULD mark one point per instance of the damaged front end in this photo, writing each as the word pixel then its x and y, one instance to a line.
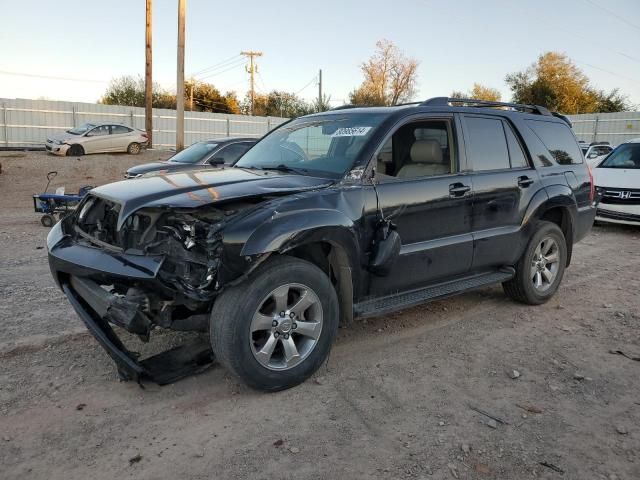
pixel 158 267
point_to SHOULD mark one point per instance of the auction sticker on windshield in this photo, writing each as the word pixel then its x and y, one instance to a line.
pixel 351 132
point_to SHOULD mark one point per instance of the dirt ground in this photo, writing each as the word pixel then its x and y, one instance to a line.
pixel 402 396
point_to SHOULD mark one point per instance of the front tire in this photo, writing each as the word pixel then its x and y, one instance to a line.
pixel 275 329
pixel 75 151
pixel 541 267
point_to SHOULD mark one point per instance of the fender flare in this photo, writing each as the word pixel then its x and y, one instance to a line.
pixel 555 196
pixel 283 233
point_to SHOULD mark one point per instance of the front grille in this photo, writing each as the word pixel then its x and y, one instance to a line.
pixel 629 217
pixel 620 196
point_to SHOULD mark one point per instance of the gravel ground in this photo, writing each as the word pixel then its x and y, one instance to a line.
pixel 408 395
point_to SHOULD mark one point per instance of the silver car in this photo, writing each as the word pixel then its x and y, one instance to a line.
pixel 97 138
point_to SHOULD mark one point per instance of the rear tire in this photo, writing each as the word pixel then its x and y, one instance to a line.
pixel 541 267
pixel 134 148
pixel 275 329
pixel 75 151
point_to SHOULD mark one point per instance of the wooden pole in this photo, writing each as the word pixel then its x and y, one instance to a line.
pixel 180 79
pixel 148 78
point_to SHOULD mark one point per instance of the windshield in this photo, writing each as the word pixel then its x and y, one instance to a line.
pixel 81 129
pixel 194 154
pixel 325 146
pixel 626 155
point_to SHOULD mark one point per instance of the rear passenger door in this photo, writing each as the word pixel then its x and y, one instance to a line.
pixel 120 138
pixel 504 183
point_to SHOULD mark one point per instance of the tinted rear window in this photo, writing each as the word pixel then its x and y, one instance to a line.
pixel 487 145
pixel 559 140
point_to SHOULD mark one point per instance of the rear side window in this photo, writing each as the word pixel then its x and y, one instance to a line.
pixel 486 143
pixel 516 154
pixel 559 141
pixel 119 129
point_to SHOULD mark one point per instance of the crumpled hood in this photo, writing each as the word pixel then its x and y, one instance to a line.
pixel 617 177
pixel 63 136
pixel 196 188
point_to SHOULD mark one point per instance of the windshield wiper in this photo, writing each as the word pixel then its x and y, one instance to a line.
pixel 286 168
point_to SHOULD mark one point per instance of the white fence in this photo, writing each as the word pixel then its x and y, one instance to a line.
pixel 28 123
pixel 615 128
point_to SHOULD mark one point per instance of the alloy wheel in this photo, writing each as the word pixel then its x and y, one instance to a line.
pixel 286 326
pixel 545 264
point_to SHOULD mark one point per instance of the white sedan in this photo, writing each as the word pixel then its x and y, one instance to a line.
pixel 596 153
pixel 617 180
pixel 97 138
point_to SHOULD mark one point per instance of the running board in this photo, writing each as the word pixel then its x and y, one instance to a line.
pixel 399 301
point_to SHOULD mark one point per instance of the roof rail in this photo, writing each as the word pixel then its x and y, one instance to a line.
pixel 563 117
pixel 348 106
pixel 472 102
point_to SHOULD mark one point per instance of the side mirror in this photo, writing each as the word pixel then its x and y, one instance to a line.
pixel 216 161
pixel 385 254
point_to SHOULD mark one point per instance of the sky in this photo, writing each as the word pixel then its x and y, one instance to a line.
pixel 81 45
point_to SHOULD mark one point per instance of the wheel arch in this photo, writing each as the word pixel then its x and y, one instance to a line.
pixel 326 238
pixel 558 207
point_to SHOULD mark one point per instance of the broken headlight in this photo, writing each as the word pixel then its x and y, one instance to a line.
pixel 192 244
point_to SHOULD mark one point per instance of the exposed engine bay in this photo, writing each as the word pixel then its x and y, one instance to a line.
pixel 191 245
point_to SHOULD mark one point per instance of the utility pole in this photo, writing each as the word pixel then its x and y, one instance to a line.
pixel 191 96
pixel 180 79
pixel 252 69
pixel 148 78
pixel 319 89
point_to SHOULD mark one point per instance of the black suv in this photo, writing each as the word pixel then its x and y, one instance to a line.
pixel 331 216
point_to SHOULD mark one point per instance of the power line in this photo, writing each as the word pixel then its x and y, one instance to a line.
pixel 609 72
pixel 612 13
pixel 51 77
pixel 220 72
pixel 218 65
pixel 315 77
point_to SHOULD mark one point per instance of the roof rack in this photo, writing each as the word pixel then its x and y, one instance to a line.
pixel 472 102
pixel 348 106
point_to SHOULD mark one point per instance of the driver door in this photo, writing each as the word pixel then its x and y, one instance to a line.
pixel 97 140
pixel 422 188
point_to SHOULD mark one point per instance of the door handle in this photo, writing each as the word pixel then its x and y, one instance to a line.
pixel 458 189
pixel 524 181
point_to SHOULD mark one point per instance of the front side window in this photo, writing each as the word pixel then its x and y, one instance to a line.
pixel 626 156
pixel 324 145
pixel 99 131
pixel 232 152
pixel 82 129
pixel 559 140
pixel 417 149
pixel 194 153
pixel 486 143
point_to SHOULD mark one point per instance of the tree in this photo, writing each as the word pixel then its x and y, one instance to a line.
pixel 389 77
pixel 479 92
pixel 613 101
pixel 129 90
pixel 207 98
pixel 277 104
pixel 323 104
pixel 555 82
